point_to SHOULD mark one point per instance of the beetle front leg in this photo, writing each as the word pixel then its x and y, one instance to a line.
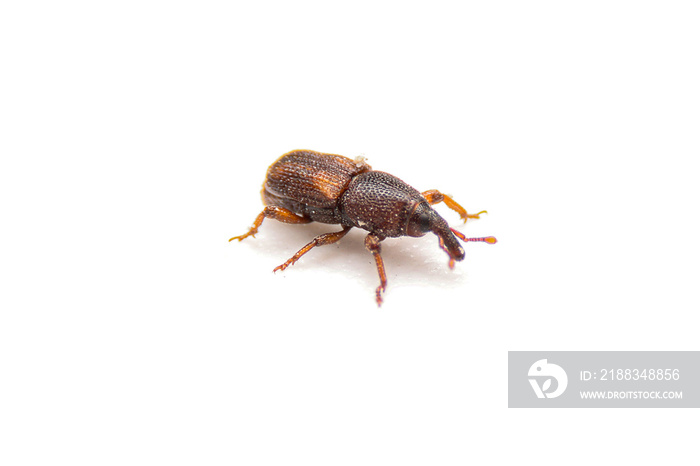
pixel 433 196
pixel 321 240
pixel 278 213
pixel 372 244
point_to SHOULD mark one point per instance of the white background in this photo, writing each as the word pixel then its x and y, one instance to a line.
pixel 135 137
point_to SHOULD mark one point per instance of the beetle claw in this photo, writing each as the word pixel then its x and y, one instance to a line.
pixel 465 216
pixel 380 290
pixel 242 237
pixel 283 266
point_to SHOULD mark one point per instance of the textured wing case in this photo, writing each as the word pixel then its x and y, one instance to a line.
pixel 305 180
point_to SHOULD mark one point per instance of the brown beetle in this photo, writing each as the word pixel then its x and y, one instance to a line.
pixel 304 186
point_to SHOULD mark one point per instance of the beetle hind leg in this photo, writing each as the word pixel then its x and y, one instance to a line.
pixel 372 244
pixel 433 196
pixel 321 240
pixel 277 213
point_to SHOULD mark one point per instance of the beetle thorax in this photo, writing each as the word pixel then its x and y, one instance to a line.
pixel 380 203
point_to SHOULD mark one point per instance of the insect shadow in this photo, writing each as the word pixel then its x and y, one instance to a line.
pixel 411 261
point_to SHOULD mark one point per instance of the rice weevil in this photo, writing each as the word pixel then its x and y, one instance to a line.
pixel 304 186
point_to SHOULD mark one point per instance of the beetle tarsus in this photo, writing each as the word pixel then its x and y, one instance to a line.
pixel 433 196
pixel 473 215
pixel 274 212
pixel 283 266
pixel 380 290
pixel 251 232
pixel 372 244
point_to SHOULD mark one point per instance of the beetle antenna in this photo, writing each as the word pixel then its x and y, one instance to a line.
pixel 487 239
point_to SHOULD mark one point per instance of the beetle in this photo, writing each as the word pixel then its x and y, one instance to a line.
pixel 304 186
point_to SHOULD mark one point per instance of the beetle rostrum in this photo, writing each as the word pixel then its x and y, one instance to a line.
pixel 304 186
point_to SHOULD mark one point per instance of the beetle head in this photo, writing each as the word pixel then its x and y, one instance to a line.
pixel 421 221
pixel 425 219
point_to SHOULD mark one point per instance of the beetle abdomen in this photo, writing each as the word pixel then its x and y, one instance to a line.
pixel 311 179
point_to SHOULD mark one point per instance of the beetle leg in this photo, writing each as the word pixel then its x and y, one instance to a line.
pixel 451 263
pixel 321 240
pixel 278 213
pixel 434 196
pixel 372 244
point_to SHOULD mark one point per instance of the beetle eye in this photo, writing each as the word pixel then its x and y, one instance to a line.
pixel 424 222
pixel 421 222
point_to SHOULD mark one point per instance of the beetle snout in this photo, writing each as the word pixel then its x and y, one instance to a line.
pixel 448 241
pixel 452 246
